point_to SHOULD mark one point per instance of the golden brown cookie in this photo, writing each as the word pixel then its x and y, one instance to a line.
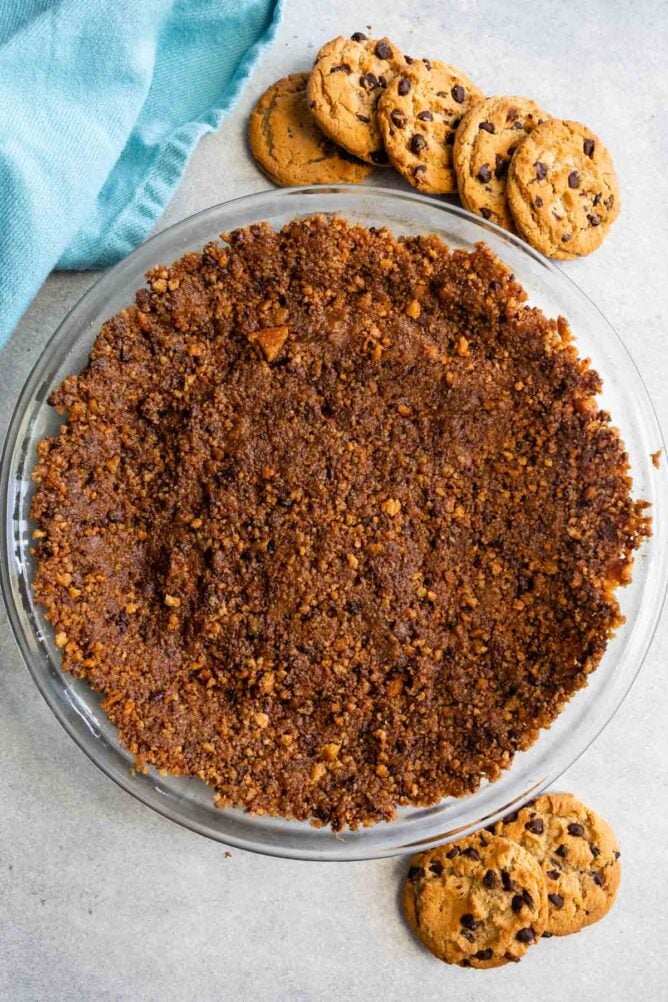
pixel 289 147
pixel 562 189
pixel 348 77
pixel 418 115
pixel 478 902
pixel 488 136
pixel 579 856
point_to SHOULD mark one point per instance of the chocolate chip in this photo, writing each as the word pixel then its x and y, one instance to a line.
pixel 528 900
pixel 556 899
pixel 409 60
pixel 465 963
pixel 617 854
pixel 359 36
pixel 511 150
pixel 538 203
pixel 484 954
pixel 595 851
pixel 417 143
pixel 485 175
pixel 471 939
pixel 485 212
pixel 525 935
pixel 436 867
pixel 511 957
pixel 490 880
pixel 589 146
pixel 343 68
pixel 380 157
pixel 575 829
pixel 597 877
pixel 345 155
pixel 596 199
pixel 415 872
pixel 517 904
pixel 594 219
pixel 404 86
pixel 471 853
pixel 509 818
pixel 450 139
pixel 458 94
pixel 419 170
pixel 488 127
pixel 541 170
pixel 566 237
pixel 468 921
pixel 553 874
pixel 562 851
pixel 535 826
pixel 573 179
pixel 383 50
pixel 441 93
pixel 507 882
pixel 609 202
pixel 548 935
pixel 484 842
pixel 518 125
pixel 512 114
pixel 364 118
pixel 398 118
pixel 455 851
pixel 427 63
pixel 501 166
pixel 425 116
pixel 368 81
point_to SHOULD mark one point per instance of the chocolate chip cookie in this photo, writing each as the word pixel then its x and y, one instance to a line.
pixel 289 147
pixel 478 902
pixel 579 856
pixel 348 77
pixel 418 115
pixel 485 142
pixel 562 189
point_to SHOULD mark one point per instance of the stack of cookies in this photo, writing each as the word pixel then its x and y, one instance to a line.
pixel 366 105
pixel 549 869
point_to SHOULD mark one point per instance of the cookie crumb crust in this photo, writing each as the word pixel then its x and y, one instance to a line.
pixel 334 520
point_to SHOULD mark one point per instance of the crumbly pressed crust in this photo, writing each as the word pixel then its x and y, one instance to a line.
pixel 334 521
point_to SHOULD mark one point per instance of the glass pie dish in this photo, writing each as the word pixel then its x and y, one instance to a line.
pixel 189 801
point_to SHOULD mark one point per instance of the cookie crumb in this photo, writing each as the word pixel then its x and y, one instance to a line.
pixel 326 579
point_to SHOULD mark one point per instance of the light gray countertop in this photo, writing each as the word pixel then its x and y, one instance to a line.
pixel 102 899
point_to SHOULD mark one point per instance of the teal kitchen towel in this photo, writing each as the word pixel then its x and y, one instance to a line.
pixel 101 104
